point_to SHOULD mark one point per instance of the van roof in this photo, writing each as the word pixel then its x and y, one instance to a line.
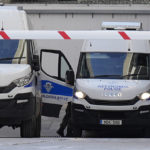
pixel 9 7
pixel 12 18
pixel 140 46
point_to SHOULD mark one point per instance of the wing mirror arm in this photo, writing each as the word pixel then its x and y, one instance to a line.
pixel 36 63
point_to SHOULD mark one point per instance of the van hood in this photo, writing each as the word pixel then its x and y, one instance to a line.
pixel 11 72
pixel 103 89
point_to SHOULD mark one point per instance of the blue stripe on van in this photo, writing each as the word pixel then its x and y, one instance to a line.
pixel 28 85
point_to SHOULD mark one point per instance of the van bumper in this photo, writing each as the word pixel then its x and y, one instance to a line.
pixel 14 111
pixel 91 119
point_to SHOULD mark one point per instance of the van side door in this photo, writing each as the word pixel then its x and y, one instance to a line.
pixel 55 91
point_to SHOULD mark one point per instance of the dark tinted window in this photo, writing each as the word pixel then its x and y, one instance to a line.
pixel 114 65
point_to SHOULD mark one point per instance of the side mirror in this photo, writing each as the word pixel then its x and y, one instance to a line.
pixel 69 77
pixel 36 63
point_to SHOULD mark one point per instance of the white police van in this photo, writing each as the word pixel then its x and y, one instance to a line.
pixel 20 98
pixel 111 88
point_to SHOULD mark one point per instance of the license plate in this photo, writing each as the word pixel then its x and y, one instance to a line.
pixel 111 122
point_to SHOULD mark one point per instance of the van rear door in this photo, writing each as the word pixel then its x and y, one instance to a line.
pixel 55 91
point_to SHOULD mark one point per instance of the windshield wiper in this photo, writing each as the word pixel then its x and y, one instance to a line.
pixel 130 75
pixel 119 76
pixel 113 75
pixel 10 58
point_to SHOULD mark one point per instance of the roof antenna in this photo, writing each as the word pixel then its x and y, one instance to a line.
pixel 2 29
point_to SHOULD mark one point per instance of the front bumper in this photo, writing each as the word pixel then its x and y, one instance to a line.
pixel 14 111
pixel 90 119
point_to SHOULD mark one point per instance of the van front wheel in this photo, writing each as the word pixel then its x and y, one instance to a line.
pixel 27 128
pixel 76 132
pixel 147 132
pixel 38 126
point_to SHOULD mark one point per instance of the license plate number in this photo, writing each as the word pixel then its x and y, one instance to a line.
pixel 111 122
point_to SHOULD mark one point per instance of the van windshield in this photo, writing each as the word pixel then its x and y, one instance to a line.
pixel 107 65
pixel 11 51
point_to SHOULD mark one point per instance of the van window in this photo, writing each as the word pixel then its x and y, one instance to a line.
pixel 64 68
pixel 107 65
pixel 54 64
pixel 49 63
pixel 11 51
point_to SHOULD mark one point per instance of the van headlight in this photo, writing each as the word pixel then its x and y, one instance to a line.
pixel 79 94
pixel 145 96
pixel 23 81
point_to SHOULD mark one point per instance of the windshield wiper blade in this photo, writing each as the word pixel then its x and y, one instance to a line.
pixel 128 75
pixel 120 76
pixel 10 58
pixel 113 75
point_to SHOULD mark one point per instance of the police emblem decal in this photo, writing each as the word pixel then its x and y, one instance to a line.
pixel 48 86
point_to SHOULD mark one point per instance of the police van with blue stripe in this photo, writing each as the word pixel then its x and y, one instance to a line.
pixel 111 89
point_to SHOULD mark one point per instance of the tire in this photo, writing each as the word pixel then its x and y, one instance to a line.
pixel 73 131
pixel 27 128
pixel 76 132
pixel 147 132
pixel 38 126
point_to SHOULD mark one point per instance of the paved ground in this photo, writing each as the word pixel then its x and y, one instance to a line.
pixel 73 144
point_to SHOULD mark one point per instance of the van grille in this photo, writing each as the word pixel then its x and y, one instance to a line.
pixel 117 115
pixel 7 89
pixel 112 103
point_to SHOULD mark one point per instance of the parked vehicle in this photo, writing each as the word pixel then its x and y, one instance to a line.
pixel 112 86
pixel 20 97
